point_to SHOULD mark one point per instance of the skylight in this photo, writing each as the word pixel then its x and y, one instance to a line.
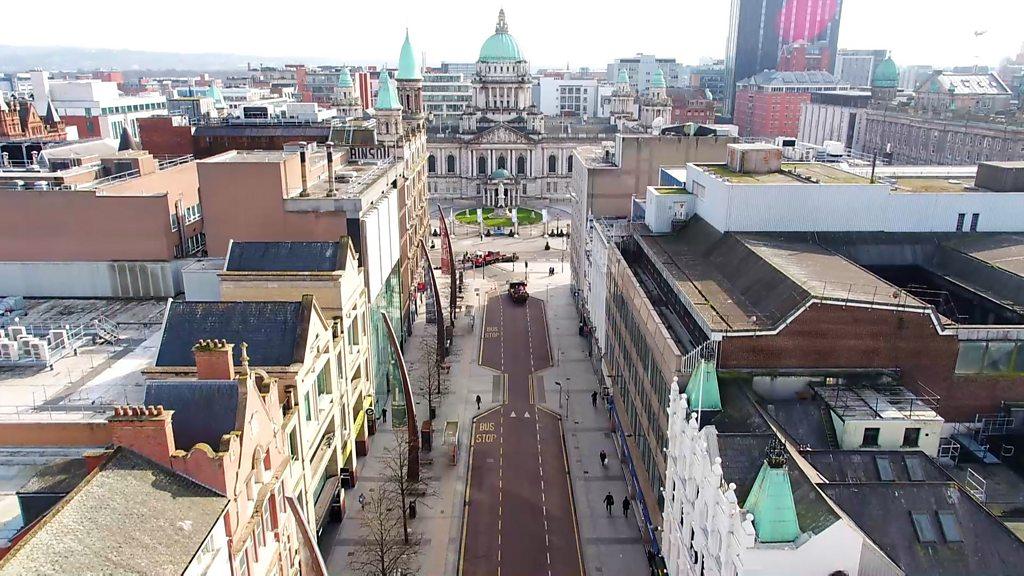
pixel 950 527
pixel 924 527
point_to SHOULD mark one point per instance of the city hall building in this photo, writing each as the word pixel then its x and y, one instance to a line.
pixel 503 138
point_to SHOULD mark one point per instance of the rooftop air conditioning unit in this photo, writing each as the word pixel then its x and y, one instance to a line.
pixel 16 332
pixel 9 351
pixel 41 185
pixel 40 351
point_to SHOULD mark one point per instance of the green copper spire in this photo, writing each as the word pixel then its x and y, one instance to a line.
pixel 702 389
pixel 407 68
pixel 387 95
pixel 623 77
pixel 345 79
pixel 659 79
pixel 771 499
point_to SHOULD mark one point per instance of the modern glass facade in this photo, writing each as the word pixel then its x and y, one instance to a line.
pixel 387 380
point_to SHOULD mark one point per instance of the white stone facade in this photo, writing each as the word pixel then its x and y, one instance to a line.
pixel 706 530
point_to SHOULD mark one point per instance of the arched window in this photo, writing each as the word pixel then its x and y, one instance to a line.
pixel 552 164
pixel 568 165
pixel 521 166
pixel 501 163
pixel 481 166
pixel 451 164
pixel 431 164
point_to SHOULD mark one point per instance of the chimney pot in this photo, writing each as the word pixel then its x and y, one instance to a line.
pixel 214 360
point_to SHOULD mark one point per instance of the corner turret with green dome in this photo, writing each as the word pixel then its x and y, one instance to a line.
pixel 885 81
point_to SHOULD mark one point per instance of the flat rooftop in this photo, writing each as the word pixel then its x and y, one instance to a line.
pixel 791 173
pixel 868 402
pixel 933 184
pixel 264 156
pixel 101 375
pixel 594 156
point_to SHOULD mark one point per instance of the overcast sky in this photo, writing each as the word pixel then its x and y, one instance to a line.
pixel 550 32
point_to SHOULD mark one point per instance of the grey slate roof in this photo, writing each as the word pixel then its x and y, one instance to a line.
pixel 131 516
pixel 883 511
pixel 275 331
pixel 60 477
pixel 285 257
pixel 204 410
pixel 853 466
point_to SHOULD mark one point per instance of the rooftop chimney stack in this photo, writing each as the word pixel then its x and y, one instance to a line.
pixel 144 429
pixel 302 169
pixel 214 360
pixel 330 168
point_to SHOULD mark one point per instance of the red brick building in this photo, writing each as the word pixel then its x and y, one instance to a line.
pixel 692 105
pixel 768 104
pixel 19 120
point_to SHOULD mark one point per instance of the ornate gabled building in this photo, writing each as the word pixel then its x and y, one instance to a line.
pixel 19 120
pixel 503 140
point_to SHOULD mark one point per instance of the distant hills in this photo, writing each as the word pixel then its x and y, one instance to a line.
pixel 23 58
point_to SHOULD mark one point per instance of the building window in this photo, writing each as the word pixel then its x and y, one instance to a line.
pixel 451 163
pixel 242 562
pixel 552 164
pixel 870 437
pixel 521 166
pixel 431 164
pixel 481 166
pixel 974 221
pixel 568 165
pixel 293 443
pixel 501 163
pixel 308 405
pixel 911 437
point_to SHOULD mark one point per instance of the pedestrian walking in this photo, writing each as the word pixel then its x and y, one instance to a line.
pixel 593 398
pixel 383 415
pixel 604 458
pixel 625 506
pixel 362 501
pixel 478 401
pixel 609 501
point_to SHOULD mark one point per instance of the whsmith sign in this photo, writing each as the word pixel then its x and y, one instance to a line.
pixel 370 152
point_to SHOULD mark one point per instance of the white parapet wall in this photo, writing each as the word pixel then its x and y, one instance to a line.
pixel 92 279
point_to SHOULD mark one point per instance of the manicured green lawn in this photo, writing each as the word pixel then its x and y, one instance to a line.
pixel 526 217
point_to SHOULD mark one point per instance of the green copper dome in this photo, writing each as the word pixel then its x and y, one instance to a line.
pixel 501 174
pixel 407 68
pixel 623 77
pixel 887 75
pixel 771 499
pixel 659 79
pixel 501 46
pixel 387 95
pixel 345 79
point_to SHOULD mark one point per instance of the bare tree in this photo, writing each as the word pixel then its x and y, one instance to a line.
pixel 397 483
pixel 435 384
pixel 385 551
